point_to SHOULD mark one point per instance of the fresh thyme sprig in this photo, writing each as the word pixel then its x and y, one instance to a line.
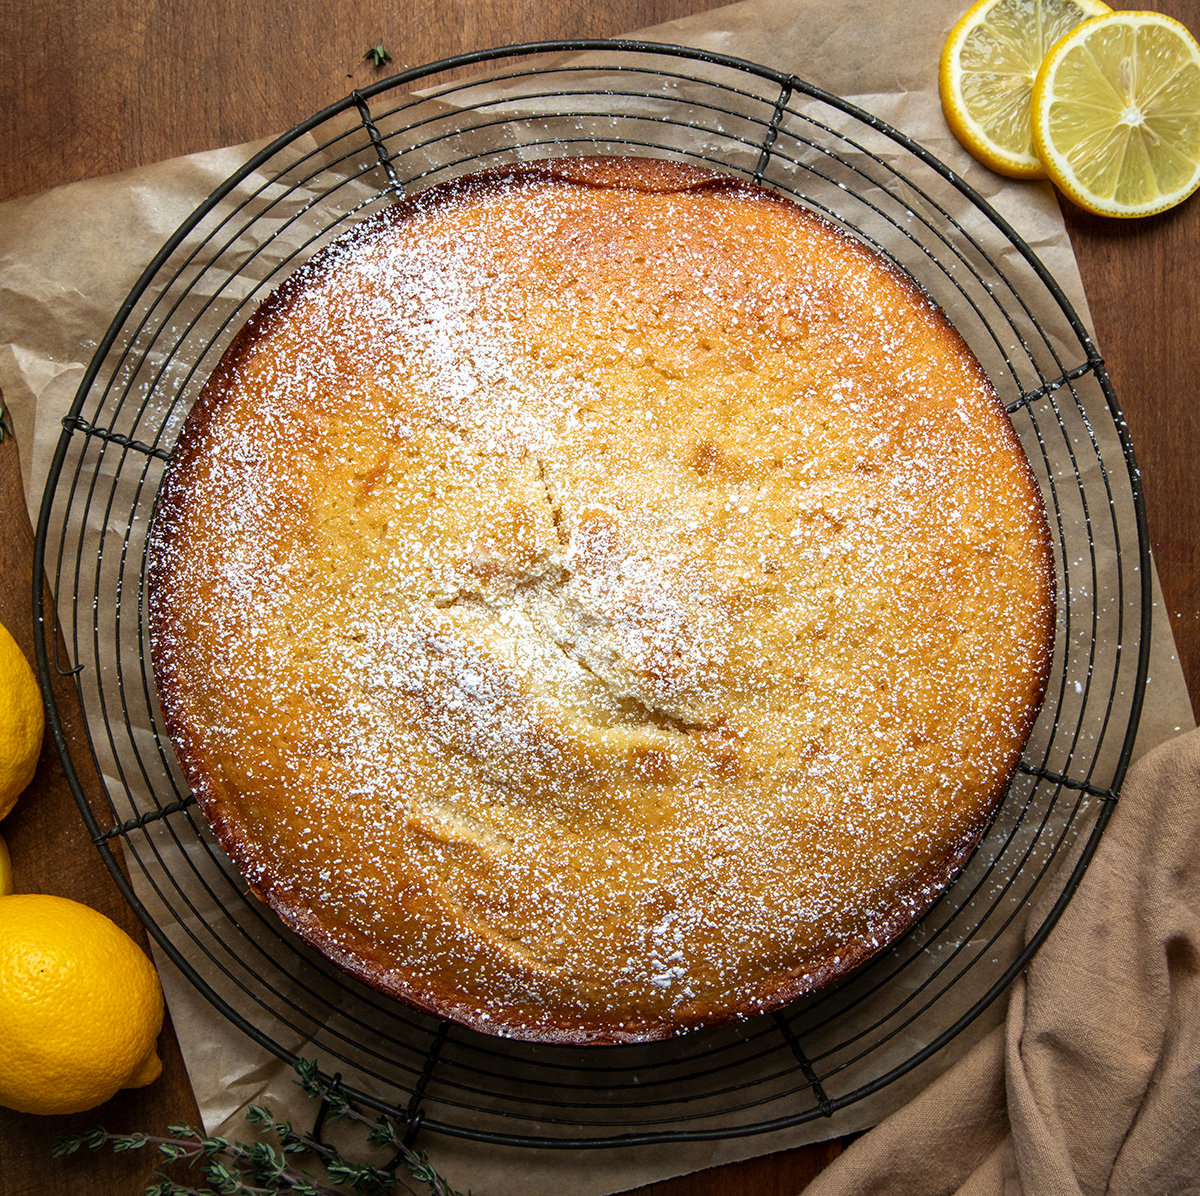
pixel 270 1165
pixel 377 55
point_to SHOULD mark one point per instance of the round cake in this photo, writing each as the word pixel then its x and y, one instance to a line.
pixel 599 599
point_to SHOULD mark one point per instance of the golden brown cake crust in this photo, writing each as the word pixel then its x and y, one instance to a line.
pixel 597 600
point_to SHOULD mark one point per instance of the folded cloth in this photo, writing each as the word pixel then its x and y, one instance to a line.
pixel 1093 1082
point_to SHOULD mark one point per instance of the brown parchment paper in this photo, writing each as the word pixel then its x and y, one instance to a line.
pixel 69 257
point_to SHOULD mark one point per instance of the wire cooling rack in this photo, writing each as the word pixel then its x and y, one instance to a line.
pixel 827 1052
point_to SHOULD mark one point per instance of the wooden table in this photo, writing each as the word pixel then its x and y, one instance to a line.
pixel 89 87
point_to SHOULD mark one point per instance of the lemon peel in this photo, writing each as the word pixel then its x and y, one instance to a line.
pixel 81 1007
pixel 22 722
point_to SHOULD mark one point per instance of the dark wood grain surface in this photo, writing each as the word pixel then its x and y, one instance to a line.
pixel 94 86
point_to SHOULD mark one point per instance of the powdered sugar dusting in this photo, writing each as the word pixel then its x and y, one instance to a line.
pixel 598 607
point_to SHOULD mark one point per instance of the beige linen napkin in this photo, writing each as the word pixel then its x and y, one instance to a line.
pixel 1093 1083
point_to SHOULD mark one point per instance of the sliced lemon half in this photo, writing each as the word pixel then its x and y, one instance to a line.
pixel 1116 114
pixel 987 70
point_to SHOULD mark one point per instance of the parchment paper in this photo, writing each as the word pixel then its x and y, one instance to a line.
pixel 69 257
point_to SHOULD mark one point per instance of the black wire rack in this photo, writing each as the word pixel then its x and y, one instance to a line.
pixel 831 1050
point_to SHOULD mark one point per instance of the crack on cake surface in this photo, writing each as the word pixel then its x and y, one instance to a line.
pixel 551 502
pixel 541 603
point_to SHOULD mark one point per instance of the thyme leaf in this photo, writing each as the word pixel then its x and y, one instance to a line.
pixel 269 1165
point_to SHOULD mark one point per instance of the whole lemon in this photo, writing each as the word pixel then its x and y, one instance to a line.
pixel 22 722
pixel 80 1007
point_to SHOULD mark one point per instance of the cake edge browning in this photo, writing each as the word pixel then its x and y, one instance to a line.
pixel 908 907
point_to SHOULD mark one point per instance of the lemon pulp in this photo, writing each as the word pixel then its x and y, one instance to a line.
pixel 1116 114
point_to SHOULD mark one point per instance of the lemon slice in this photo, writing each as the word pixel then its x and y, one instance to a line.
pixel 987 70
pixel 1116 114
